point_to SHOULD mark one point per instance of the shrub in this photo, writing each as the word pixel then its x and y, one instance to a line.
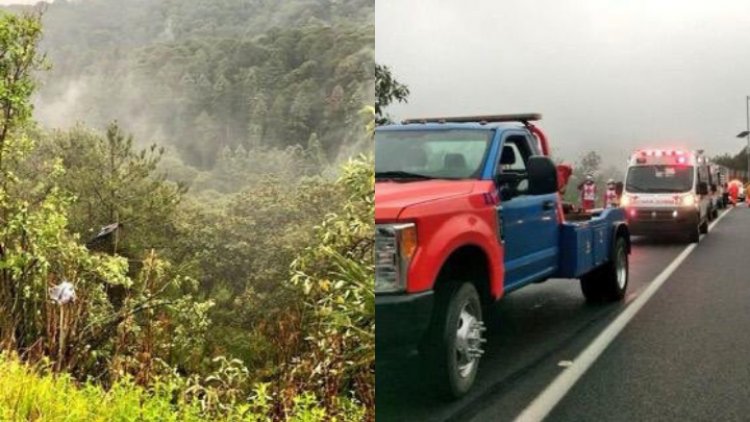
pixel 35 394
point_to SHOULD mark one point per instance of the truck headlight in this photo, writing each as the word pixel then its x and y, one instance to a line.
pixel 395 246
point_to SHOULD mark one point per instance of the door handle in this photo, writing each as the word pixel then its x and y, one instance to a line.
pixel 548 205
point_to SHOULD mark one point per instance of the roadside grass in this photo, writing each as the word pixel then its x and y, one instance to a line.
pixel 33 394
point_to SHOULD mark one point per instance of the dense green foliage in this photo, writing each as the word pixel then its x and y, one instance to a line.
pixel 199 75
pixel 734 162
pixel 37 394
pixel 237 288
pixel 387 90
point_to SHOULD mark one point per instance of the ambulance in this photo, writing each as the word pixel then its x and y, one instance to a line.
pixel 667 192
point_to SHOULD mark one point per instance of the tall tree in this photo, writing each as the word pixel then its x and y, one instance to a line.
pixel 591 162
pixel 387 90
pixel 19 60
pixel 115 183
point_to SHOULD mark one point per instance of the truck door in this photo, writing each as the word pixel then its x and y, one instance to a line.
pixel 530 225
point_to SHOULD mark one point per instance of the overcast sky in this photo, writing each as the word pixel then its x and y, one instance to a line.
pixel 608 75
pixel 19 1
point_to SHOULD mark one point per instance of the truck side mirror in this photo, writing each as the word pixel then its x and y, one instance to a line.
pixel 542 175
pixel 702 188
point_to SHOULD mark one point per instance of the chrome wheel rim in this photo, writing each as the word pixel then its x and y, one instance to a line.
pixel 469 340
pixel 621 268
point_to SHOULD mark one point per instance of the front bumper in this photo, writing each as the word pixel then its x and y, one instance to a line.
pixel 645 221
pixel 402 320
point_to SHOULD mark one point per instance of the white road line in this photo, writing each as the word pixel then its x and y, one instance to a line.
pixel 548 399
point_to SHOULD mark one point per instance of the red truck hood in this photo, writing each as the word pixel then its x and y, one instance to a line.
pixel 391 198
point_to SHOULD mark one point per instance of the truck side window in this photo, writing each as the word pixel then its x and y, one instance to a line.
pixel 513 158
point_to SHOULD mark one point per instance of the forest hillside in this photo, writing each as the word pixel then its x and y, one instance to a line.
pixel 186 210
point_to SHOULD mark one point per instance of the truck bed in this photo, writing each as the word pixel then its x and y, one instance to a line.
pixel 586 241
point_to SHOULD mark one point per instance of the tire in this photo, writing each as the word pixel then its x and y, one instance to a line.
pixel 695 234
pixel 453 362
pixel 609 282
pixel 703 228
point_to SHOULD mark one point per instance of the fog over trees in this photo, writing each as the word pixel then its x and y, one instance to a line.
pixel 199 172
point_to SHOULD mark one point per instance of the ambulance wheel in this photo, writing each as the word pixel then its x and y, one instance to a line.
pixel 456 339
pixel 609 282
pixel 695 234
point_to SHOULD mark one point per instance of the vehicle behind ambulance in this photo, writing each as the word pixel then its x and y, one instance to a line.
pixel 667 192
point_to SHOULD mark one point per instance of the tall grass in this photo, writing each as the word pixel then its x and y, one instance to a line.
pixel 34 394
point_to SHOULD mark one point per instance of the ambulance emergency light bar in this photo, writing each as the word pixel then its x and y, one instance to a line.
pixel 666 156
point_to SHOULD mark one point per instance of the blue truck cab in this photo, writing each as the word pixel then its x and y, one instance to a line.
pixel 466 211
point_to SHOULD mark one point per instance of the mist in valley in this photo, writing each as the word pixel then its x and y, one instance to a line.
pixel 198 171
pixel 204 79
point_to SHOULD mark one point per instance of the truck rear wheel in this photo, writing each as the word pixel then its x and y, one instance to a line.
pixel 456 339
pixel 609 282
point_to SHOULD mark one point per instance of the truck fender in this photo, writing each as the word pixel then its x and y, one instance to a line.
pixel 444 242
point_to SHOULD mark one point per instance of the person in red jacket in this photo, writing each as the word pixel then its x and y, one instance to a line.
pixel 563 175
pixel 588 193
pixel 734 191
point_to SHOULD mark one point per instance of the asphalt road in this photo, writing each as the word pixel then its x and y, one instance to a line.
pixel 535 331
pixel 686 354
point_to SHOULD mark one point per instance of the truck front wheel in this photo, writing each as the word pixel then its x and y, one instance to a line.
pixel 609 282
pixel 456 339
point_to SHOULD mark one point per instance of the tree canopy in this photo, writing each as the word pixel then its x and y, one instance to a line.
pixel 199 75
pixel 196 188
pixel 387 90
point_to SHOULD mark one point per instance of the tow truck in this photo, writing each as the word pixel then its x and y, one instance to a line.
pixel 467 210
pixel 667 192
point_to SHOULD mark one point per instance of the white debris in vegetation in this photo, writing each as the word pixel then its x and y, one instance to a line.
pixel 63 293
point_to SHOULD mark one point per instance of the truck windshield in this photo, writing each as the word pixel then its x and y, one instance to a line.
pixel 659 179
pixel 430 154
